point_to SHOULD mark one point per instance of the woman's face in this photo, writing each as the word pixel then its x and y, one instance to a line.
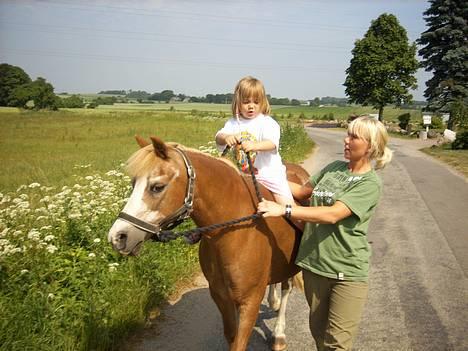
pixel 249 108
pixel 355 148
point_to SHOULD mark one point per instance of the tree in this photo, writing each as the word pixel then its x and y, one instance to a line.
pixel 41 92
pixel 11 77
pixel 445 53
pixel 382 69
pixel 73 101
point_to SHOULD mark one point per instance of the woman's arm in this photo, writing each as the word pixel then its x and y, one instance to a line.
pixel 318 214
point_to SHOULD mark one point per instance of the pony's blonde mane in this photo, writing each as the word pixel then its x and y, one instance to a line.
pixel 144 160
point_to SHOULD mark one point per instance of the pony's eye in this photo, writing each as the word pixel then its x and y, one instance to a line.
pixel 157 188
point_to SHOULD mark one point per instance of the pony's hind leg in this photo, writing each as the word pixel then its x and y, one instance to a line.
pixel 279 337
pixel 273 300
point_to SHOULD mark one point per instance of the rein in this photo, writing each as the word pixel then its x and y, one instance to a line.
pixel 163 231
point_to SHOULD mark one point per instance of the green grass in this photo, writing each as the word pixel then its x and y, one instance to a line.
pixel 341 113
pixel 457 159
pixel 46 147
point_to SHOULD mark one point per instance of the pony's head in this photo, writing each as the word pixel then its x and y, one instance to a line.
pixel 159 179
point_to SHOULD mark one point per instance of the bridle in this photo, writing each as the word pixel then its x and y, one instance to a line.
pixel 173 220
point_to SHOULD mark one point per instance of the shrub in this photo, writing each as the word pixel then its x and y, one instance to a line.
pixel 461 141
pixel 404 120
pixel 437 122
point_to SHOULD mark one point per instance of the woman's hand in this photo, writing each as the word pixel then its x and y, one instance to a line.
pixel 270 209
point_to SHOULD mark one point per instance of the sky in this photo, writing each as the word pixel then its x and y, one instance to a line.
pixel 299 49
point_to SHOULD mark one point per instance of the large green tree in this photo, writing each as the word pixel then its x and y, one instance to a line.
pixel 39 91
pixel 383 66
pixel 11 77
pixel 445 54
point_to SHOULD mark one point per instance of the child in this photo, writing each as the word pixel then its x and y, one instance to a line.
pixel 255 131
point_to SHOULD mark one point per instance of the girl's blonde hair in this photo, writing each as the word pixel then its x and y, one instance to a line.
pixel 250 87
pixel 375 133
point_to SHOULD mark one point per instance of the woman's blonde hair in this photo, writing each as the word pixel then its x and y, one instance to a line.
pixel 375 133
pixel 250 87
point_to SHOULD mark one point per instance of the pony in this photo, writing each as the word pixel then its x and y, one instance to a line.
pixel 170 183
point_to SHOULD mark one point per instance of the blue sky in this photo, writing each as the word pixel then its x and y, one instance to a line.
pixel 299 49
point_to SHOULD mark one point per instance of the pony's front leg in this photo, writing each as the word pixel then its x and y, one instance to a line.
pixel 228 311
pixel 248 312
pixel 273 299
pixel 279 337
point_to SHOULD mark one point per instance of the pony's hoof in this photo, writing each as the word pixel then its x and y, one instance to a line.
pixel 279 344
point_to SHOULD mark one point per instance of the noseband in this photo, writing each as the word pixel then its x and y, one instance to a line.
pixel 175 218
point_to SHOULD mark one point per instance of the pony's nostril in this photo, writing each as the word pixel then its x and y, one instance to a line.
pixel 120 240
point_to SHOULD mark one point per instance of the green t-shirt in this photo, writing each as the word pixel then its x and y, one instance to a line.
pixel 340 250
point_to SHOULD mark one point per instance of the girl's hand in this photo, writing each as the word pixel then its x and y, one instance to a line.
pixel 270 209
pixel 248 146
pixel 232 140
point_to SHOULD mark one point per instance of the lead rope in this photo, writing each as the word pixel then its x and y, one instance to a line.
pixel 194 235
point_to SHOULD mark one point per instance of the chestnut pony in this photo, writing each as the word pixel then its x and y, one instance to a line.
pixel 238 261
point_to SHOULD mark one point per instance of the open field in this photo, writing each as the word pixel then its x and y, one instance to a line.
pixel 47 147
pixel 50 147
pixel 309 112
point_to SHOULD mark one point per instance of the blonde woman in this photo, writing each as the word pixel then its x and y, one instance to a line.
pixel 255 131
pixel 334 252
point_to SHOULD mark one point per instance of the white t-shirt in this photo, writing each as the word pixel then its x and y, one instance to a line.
pixel 271 171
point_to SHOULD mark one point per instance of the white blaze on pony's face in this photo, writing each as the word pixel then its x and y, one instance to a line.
pixel 154 175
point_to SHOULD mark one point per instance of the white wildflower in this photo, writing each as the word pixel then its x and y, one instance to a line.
pixel 74 215
pixel 51 296
pixel 49 238
pixel 97 240
pixel 92 255
pixel 34 234
pixel 113 266
pixel 51 248
pixel 21 188
pixel 24 271
pixel 4 232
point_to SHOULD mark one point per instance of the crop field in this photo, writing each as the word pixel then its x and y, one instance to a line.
pixel 279 111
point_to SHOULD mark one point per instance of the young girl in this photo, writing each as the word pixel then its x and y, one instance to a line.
pixel 255 131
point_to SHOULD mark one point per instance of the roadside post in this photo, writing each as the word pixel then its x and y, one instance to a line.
pixel 426 122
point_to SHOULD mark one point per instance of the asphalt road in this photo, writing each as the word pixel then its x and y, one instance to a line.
pixel 418 297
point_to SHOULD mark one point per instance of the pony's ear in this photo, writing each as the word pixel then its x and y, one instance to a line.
pixel 142 142
pixel 159 147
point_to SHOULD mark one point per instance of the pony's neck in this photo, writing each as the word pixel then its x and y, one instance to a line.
pixel 221 192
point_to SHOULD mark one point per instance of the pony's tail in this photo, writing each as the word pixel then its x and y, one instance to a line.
pixel 385 158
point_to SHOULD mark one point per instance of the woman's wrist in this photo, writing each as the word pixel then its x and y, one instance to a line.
pixel 288 211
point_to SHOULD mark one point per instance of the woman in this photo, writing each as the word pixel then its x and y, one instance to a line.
pixel 334 252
